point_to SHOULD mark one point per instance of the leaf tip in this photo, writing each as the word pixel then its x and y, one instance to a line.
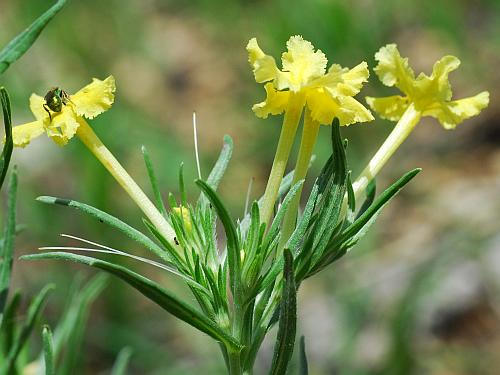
pixel 53 200
pixel 227 139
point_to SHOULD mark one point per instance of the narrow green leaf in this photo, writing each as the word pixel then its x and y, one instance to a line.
pixel 379 203
pixel 218 295
pixel 8 145
pixel 154 181
pixel 21 43
pixel 334 192
pixel 8 329
pixel 121 363
pixel 351 201
pixel 70 332
pixel 371 191
pixel 298 235
pixel 48 350
pixel 303 367
pixel 8 245
pixel 285 340
pixel 182 186
pixel 20 339
pixel 332 188
pixel 271 238
pixel 233 246
pixel 351 235
pixel 222 162
pixel 151 290
pixel 116 223
pixel 219 168
pixel 251 242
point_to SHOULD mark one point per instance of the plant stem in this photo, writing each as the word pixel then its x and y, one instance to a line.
pixel 309 136
pixel 94 144
pixel 401 131
pixel 234 363
pixel 287 136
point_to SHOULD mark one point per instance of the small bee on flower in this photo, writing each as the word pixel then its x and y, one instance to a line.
pixel 54 100
pixel 60 114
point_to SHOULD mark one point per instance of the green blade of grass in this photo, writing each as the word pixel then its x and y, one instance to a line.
pixel 21 338
pixel 303 367
pixel 121 363
pixel 9 144
pixel 8 329
pixel 151 290
pixel 21 43
pixel 8 244
pixel 70 329
pixel 48 350
pixel 285 340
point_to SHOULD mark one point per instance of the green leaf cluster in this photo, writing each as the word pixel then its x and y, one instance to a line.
pixel 249 284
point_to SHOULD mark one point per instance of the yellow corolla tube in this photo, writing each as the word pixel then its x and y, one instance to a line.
pixel 422 96
pixel 303 82
pixel 89 102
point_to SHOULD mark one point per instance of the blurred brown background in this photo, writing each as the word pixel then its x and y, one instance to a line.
pixel 420 294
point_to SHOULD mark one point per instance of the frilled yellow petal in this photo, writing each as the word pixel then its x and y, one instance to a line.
pixel 63 125
pixel 450 114
pixel 23 134
pixel 393 70
pixel 330 80
pixel 264 66
pixel 324 108
pixel 275 103
pixel 390 108
pixel 352 111
pixel 301 63
pixel 439 76
pixel 95 98
pixel 342 81
pixel 36 105
pixel 353 79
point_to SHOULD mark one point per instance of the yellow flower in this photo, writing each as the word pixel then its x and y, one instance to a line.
pixel 326 94
pixel 430 95
pixel 89 102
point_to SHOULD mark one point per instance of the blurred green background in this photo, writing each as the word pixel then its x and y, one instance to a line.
pixel 420 294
